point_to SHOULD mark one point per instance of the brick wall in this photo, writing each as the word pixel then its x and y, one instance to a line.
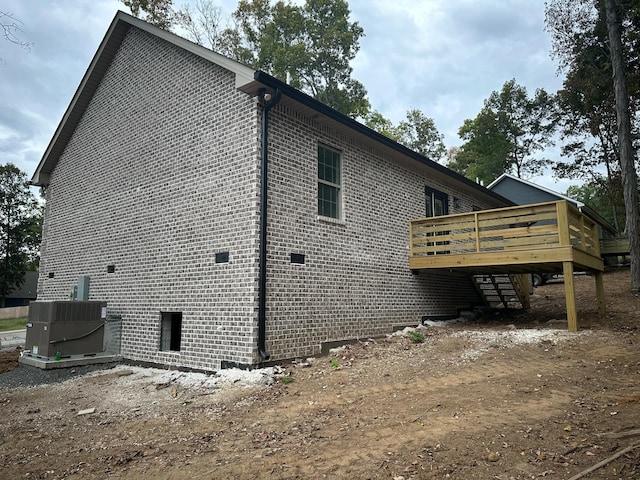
pixel 355 281
pixel 160 175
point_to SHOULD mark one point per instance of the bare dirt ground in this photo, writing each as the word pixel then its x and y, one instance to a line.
pixel 511 397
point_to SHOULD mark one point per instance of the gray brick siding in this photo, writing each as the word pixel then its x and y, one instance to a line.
pixel 160 175
pixel 163 172
pixel 355 281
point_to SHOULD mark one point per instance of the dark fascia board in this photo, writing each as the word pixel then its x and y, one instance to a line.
pixel 321 108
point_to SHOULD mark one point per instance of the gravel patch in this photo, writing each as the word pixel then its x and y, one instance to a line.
pixel 28 376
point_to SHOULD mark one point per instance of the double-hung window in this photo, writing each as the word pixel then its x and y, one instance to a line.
pixel 329 181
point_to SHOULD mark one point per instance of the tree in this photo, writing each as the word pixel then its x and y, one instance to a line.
pixel 419 133
pixel 203 25
pixel 378 122
pixel 310 46
pixel 484 155
pixel 20 228
pixel 452 153
pixel 627 156
pixel 598 41
pixel 595 193
pixel 586 103
pixel 507 133
pixel 10 27
pixel 587 122
pixel 158 12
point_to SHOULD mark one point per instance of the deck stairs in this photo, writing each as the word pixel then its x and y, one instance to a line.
pixel 500 290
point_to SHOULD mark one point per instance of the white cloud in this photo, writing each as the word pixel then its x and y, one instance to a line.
pixel 443 57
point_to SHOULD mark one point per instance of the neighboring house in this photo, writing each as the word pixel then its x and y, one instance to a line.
pixel 155 189
pixel 25 294
pixel 522 192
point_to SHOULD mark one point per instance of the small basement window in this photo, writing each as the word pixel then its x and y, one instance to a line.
pixel 170 331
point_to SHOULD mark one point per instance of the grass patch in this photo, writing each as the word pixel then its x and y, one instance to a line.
pixel 286 380
pixel 415 336
pixel 13 324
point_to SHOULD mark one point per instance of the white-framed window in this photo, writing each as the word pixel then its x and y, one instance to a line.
pixel 329 182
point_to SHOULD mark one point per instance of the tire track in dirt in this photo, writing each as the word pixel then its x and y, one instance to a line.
pixel 424 411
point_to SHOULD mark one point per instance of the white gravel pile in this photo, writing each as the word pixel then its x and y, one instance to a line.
pixel 131 375
pixel 483 340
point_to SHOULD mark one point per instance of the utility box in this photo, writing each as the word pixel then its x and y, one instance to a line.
pixel 64 328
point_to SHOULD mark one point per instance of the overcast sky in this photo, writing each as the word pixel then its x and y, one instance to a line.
pixel 443 57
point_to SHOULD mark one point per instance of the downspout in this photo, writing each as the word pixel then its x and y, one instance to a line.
pixel 262 283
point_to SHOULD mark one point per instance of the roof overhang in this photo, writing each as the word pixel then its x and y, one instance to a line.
pixel 322 113
pixel 250 82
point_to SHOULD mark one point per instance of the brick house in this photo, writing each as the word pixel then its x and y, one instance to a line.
pixel 156 188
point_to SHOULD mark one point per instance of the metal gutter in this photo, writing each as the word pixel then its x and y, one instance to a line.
pixel 349 122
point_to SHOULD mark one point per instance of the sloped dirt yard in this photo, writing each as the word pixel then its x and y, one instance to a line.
pixel 513 396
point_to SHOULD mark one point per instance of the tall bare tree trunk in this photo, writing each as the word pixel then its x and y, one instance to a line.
pixel 627 157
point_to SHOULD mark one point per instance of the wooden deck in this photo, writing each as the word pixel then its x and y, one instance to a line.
pixel 613 247
pixel 549 237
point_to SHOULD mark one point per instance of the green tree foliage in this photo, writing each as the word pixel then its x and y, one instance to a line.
pixel 588 131
pixel 485 153
pixel 597 42
pixel 381 124
pixel 595 193
pixel 157 12
pixel 20 228
pixel 506 135
pixel 309 46
pixel 586 103
pixel 417 132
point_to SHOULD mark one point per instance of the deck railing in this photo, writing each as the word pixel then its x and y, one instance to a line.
pixel 614 246
pixel 543 225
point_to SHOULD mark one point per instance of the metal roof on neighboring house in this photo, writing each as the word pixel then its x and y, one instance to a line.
pixel 584 208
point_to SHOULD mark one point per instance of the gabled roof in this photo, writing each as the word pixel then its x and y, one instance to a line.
pixel 584 208
pixel 103 57
pixel 248 81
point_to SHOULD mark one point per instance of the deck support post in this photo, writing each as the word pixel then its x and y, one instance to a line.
pixel 570 296
pixel 600 293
